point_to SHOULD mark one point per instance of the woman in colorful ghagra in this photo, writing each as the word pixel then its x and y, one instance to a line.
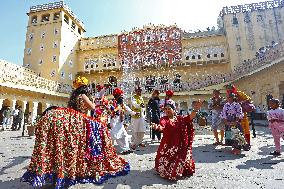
pixel 174 156
pixel 72 147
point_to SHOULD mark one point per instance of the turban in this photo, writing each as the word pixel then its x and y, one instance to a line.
pixel 117 92
pixel 80 81
pixel 169 93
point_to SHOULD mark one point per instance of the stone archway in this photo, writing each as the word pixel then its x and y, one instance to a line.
pixel 19 103
pixel 7 102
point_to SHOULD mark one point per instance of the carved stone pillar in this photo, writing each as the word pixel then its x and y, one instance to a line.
pixel 34 111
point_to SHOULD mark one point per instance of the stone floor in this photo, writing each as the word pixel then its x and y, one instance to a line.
pixel 215 166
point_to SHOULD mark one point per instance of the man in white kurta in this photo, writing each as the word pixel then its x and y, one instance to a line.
pixel 118 132
pixel 138 120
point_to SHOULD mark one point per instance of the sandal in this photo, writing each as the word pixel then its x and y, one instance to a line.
pixel 142 145
pixel 216 143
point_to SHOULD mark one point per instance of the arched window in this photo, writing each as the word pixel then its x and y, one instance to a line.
pixel 52 73
pixel 193 57
pixel 222 55
pixel 66 19
pixel 34 20
pixel 235 20
pixel 56 16
pixel 45 18
pixel 187 58
pixel 215 55
pixel 208 56
pixel 73 25
pixel 199 56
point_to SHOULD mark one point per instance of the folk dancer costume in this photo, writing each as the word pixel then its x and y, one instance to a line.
pixel 71 147
pixel 174 155
pixel 247 106
pixel 232 113
pixel 118 131
pixel 276 124
pixel 138 120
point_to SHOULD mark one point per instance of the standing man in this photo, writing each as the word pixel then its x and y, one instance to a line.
pixel 6 117
pixel 154 113
pixel 138 120
pixel 20 118
pixel 15 117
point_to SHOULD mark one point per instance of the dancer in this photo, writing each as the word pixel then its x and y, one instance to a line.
pixel 71 147
pixel 232 114
pixel 247 106
pixel 174 156
pixel 118 132
pixel 275 117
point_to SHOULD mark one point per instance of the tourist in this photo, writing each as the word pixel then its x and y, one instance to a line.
pixel 6 117
pixel 154 113
pixel 217 103
pixel 118 132
pixel 138 120
pixel 174 156
pixel 232 114
pixel 71 147
pixel 275 117
pixel 19 118
pixel 15 118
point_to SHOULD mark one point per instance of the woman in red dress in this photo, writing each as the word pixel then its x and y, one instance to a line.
pixel 174 156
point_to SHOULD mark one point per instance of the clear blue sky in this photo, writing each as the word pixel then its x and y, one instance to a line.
pixel 103 17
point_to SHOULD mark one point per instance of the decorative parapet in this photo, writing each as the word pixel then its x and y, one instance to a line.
pixel 17 76
pixel 202 34
pixel 56 5
pixel 262 61
pixel 108 41
pixel 268 59
pixel 252 7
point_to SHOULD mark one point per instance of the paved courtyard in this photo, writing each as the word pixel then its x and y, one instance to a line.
pixel 215 166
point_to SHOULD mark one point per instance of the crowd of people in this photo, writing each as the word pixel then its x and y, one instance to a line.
pixel 263 56
pixel 73 146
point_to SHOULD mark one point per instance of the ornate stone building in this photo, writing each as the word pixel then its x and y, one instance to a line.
pixel 246 49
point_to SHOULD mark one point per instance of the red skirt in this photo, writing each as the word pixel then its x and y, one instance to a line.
pixel 71 148
pixel 174 156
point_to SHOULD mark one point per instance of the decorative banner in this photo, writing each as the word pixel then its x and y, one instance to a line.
pixel 150 46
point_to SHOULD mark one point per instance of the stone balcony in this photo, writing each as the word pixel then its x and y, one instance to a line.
pixel 16 76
